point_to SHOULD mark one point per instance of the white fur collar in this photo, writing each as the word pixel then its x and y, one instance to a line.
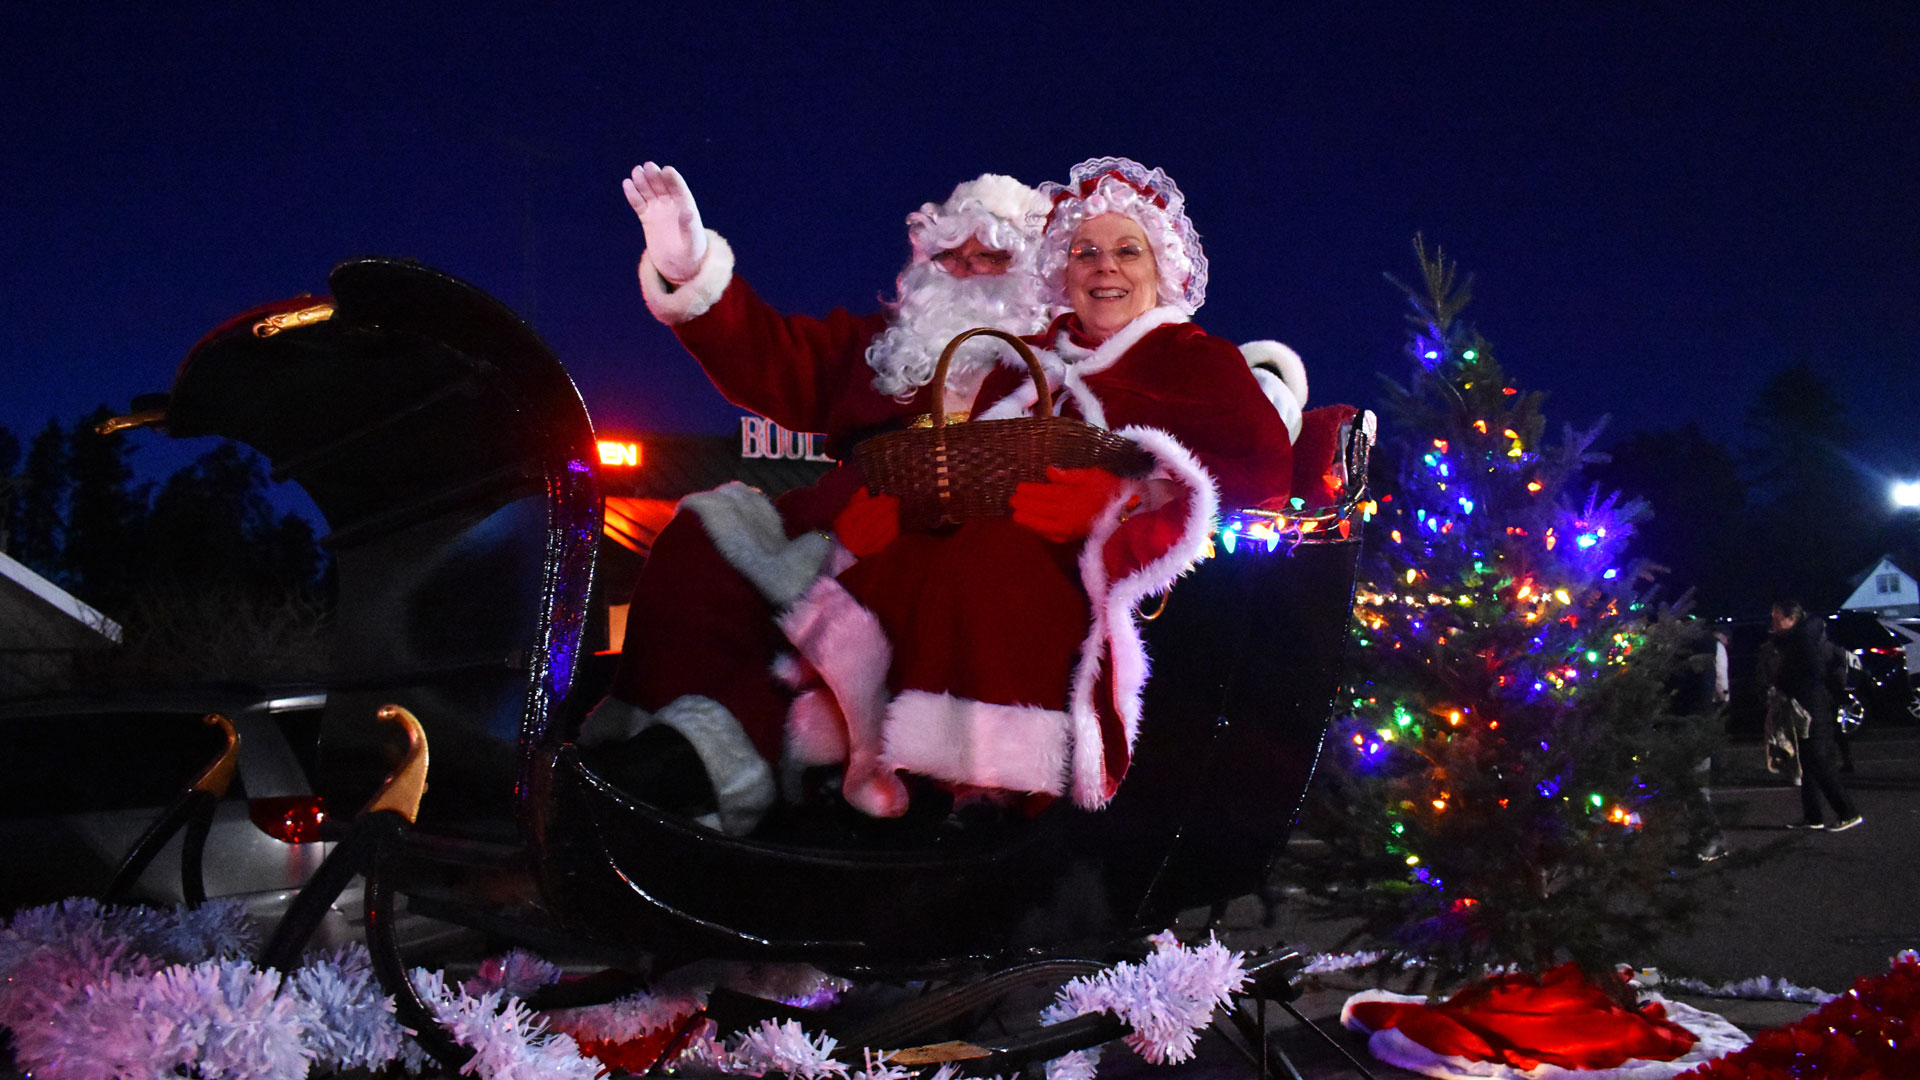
pixel 1087 362
pixel 1067 365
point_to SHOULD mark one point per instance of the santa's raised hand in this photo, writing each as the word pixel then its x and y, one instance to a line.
pixel 670 220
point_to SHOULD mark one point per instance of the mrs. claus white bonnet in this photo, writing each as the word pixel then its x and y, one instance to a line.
pixel 1107 185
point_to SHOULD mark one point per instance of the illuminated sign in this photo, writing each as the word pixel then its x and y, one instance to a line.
pixel 619 455
pixel 762 438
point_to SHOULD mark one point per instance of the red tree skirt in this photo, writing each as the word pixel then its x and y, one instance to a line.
pixel 1534 1027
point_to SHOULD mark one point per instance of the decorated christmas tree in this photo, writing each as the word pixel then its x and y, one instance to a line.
pixel 1510 781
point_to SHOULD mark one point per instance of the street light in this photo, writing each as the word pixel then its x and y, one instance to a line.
pixel 1906 494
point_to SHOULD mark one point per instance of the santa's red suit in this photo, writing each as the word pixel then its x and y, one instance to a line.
pixel 988 656
pixel 701 637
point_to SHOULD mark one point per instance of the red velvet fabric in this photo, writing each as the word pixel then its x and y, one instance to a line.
pixel 987 612
pixel 801 372
pixel 996 614
pixel 1196 387
pixel 698 627
pixel 1313 456
pixel 1557 1018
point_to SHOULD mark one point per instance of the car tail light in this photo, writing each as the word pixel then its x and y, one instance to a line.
pixel 290 819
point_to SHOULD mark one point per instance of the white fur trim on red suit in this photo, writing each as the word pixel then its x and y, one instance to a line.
pixel 1114 636
pixel 1282 377
pixel 846 644
pixel 1282 399
pixel 1078 363
pixel 1282 361
pixel 1017 747
pixel 675 304
pixel 745 528
pixel 816 730
pixel 743 785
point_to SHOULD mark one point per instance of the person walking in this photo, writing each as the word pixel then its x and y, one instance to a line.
pixel 1804 679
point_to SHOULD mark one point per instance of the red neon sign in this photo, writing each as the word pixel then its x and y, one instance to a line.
pixel 619 455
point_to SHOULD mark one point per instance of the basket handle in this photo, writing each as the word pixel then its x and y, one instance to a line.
pixel 1042 405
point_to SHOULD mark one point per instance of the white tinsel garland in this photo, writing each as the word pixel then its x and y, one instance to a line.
pixel 223 1019
pixel 1757 988
pixel 1167 999
pixel 355 1028
pixel 509 1041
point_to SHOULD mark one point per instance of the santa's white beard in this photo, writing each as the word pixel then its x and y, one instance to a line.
pixel 934 308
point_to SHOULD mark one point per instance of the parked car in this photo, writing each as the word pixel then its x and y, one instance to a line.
pixel 90 773
pixel 1884 687
pixel 1883 684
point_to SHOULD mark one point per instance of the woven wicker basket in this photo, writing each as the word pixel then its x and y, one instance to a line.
pixel 949 473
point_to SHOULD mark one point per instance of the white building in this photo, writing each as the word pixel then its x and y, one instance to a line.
pixel 42 627
pixel 1887 591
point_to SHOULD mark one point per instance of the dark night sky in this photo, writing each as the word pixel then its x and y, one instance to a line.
pixel 1662 203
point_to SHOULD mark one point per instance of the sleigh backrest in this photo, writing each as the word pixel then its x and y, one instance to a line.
pixel 452 459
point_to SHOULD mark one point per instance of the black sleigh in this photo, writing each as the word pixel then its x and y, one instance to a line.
pixel 456 468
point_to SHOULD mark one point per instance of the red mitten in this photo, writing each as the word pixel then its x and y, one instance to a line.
pixel 868 523
pixel 1064 507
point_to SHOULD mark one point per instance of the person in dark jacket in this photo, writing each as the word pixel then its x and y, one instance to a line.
pixel 1805 672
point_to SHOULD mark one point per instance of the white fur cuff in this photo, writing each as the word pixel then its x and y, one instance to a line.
pixel 676 304
pixel 742 781
pixel 1018 747
pixel 1280 360
pixel 745 528
pixel 1283 399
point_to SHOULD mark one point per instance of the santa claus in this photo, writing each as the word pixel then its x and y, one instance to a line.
pixel 696 712
pixel 1001 658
